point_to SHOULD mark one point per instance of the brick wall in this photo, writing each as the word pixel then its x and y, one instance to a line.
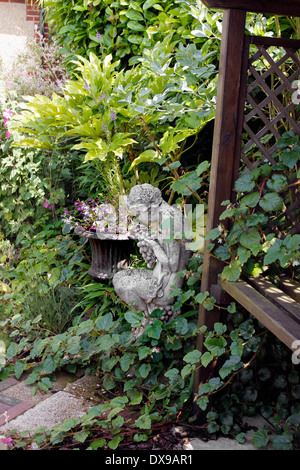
pixel 32 14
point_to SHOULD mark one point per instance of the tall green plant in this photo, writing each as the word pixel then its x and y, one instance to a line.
pixel 142 114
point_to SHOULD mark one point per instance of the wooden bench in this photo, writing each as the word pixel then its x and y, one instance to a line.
pixel 278 309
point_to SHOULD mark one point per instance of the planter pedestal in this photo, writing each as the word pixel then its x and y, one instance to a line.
pixel 110 251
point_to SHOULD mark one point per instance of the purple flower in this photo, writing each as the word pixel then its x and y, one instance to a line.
pixel 102 97
pixel 98 36
pixel 113 116
pixel 86 85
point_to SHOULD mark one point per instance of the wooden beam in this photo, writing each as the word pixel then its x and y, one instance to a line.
pixel 274 7
pixel 272 317
pixel 225 162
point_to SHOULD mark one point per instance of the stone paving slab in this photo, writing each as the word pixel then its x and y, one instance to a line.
pixel 20 390
pixel 16 397
pixel 48 413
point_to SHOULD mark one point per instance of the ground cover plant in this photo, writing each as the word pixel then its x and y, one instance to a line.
pixel 139 99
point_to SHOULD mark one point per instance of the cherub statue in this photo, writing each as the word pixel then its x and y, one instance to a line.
pixel 161 243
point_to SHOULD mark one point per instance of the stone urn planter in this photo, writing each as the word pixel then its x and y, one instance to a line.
pixel 110 251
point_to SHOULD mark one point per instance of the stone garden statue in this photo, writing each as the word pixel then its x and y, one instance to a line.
pixel 161 242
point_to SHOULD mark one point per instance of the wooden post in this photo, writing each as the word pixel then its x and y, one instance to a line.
pixel 225 155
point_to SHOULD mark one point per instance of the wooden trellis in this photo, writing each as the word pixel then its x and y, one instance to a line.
pixel 253 85
pixel 271 85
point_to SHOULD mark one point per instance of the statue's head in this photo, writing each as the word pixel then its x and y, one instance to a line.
pixel 144 194
pixel 144 199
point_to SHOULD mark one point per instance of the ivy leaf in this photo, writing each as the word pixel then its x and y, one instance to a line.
pixel 277 182
pixel 232 272
pixel 126 361
pixel 283 442
pixel 260 438
pixel 251 200
pixel 222 252
pixel 220 328
pixel 187 183
pixel 143 422
pixel 192 357
pixel 19 368
pixel 187 370
pixel 134 318
pixel 216 346
pixel 243 254
pixel 113 444
pixel 202 402
pixel 172 374
pixel 273 253
pixel 81 436
pixel 244 183
pixel 135 396
pixel 48 365
pixel 287 139
pixel 290 157
pixel 232 364
pixel 144 351
pixel 144 370
pixel 11 351
pixel 271 202
pixel 154 329
pixel 105 322
pixel 206 358
pixel 250 238
pixel 236 347
pixel 96 444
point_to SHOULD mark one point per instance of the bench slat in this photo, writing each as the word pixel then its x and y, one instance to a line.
pixel 277 297
pixel 290 287
pixel 275 319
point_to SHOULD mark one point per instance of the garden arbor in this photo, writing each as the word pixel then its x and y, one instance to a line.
pixel 234 135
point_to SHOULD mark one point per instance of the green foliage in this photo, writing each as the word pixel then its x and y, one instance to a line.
pixel 261 238
pixel 267 386
pixel 124 29
pixel 53 306
pixel 45 260
pixel 142 115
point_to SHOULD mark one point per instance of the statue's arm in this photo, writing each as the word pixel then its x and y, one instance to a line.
pixel 169 260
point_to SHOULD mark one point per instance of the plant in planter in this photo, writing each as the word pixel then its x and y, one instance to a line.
pixel 104 224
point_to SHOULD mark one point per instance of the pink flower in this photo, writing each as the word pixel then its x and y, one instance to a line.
pixel 7 441
pixel 5 122
pixel 47 205
pixel 8 134
pixel 8 113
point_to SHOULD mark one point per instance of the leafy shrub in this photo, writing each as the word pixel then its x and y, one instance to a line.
pixel 263 238
pixel 144 115
pixel 124 29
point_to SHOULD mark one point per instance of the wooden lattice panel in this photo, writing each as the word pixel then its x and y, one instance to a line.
pixel 270 107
